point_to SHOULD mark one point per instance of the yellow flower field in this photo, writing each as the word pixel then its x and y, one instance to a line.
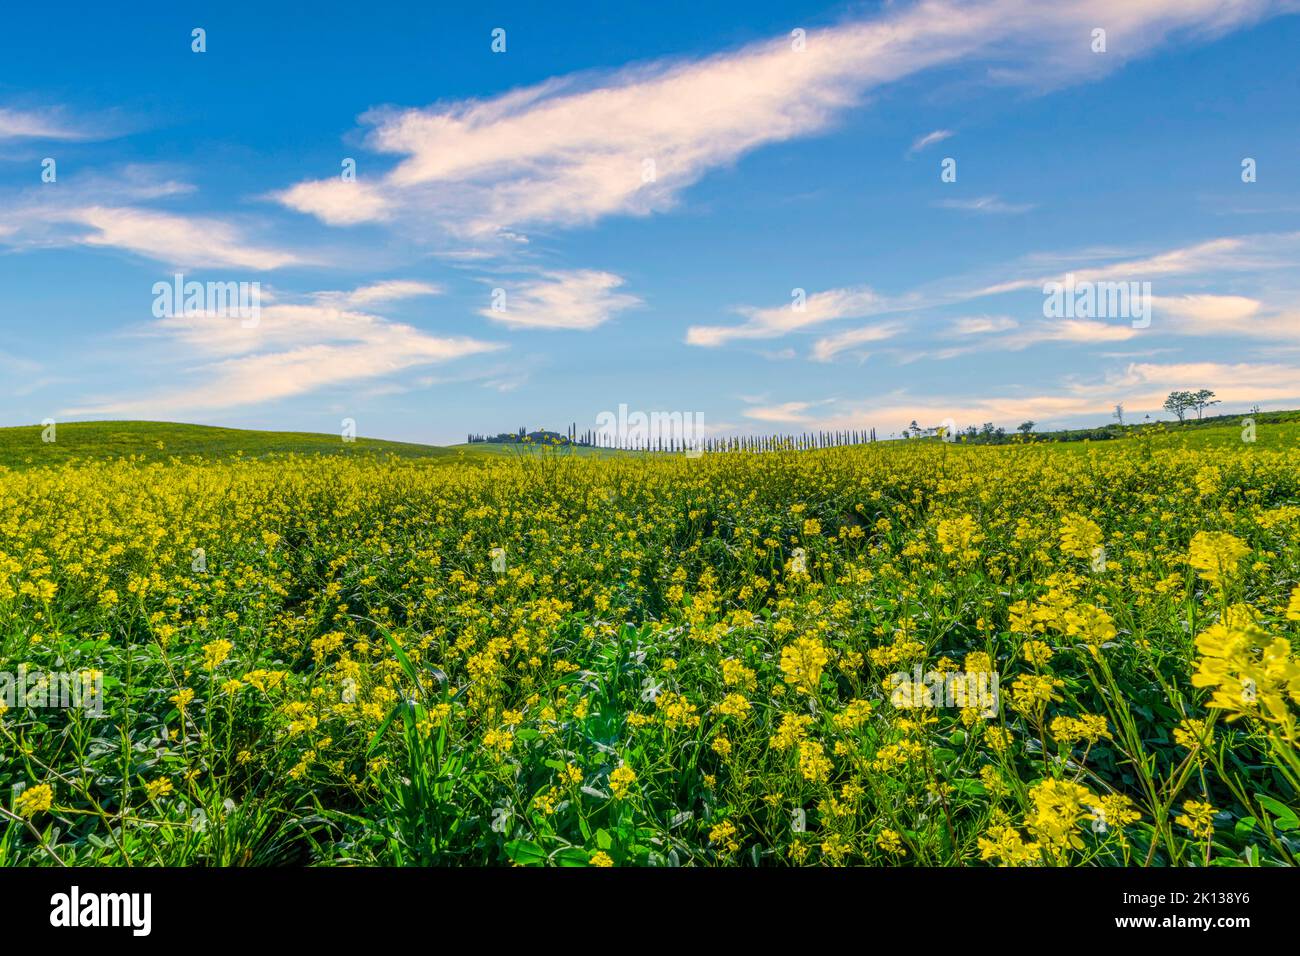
pixel 728 660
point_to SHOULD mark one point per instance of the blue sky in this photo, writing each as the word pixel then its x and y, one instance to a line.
pixel 648 188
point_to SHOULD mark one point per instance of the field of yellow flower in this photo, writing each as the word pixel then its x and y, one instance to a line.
pixel 729 660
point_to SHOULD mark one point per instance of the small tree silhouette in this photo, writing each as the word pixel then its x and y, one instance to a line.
pixel 1201 400
pixel 1179 403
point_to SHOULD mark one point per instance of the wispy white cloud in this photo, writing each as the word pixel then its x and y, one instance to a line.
pixel 985 204
pixel 1140 386
pixel 17 364
pixel 825 349
pixel 175 239
pixel 784 413
pixel 579 299
pixel 929 139
pixel 50 123
pixel 1209 309
pixel 1230 315
pixel 1193 312
pixel 269 376
pixel 340 203
pixel 1247 253
pixel 1075 330
pixel 111 208
pixel 377 293
pixel 294 349
pixel 802 311
pixel 576 149
pixel 982 324
pixel 506 384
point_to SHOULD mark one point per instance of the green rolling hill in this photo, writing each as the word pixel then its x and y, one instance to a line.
pixel 22 447
pixel 158 441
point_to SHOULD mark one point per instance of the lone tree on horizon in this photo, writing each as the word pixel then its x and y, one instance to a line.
pixel 1179 403
pixel 1201 400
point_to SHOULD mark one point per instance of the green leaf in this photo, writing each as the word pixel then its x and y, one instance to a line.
pixel 525 853
pixel 407 667
pixel 572 856
pixel 370 748
pixel 1286 817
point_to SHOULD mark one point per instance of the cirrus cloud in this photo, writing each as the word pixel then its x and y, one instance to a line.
pixel 575 149
pixel 578 300
pixel 293 349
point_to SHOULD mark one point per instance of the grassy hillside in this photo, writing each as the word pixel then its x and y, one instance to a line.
pixel 1220 425
pixel 1272 430
pixel 22 447
pixel 1226 432
pixel 157 441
